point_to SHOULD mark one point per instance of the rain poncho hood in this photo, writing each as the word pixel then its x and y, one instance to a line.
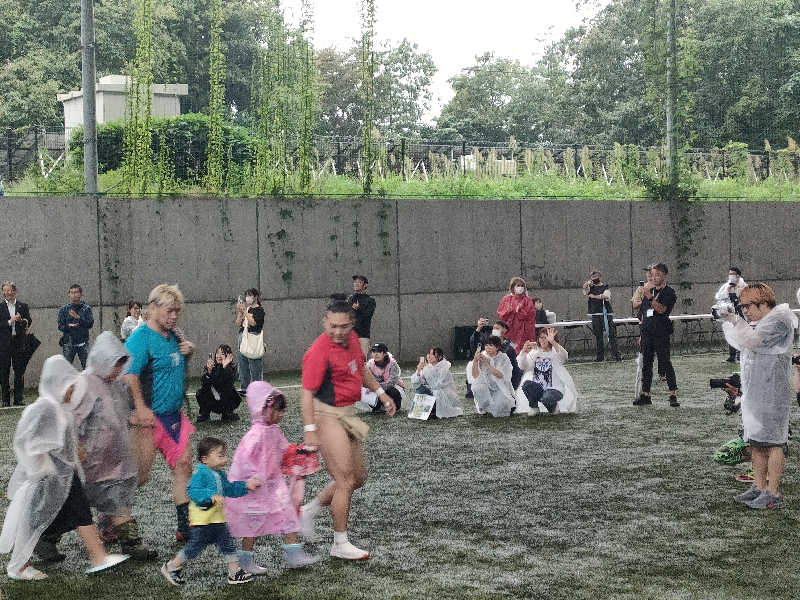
pixel 568 403
pixel 269 508
pixel 101 411
pixel 766 352
pixel 46 449
pixel 440 381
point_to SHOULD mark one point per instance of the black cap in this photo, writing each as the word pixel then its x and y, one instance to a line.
pixel 379 347
pixel 361 277
pixel 661 267
pixel 647 268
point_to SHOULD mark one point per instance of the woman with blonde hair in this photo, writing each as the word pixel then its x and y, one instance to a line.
pixel 764 338
pixel 517 309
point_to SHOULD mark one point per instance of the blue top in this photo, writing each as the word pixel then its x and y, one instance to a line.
pixel 160 367
pixel 206 482
pixel 80 333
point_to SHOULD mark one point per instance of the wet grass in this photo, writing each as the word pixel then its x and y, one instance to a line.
pixel 612 502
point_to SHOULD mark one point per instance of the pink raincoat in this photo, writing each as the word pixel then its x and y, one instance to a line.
pixel 268 509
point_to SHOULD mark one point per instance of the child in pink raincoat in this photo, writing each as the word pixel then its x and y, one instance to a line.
pixel 269 509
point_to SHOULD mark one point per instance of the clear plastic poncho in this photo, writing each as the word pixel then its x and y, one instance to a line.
pixel 766 353
pixel 500 390
pixel 45 445
pixel 101 411
pixel 565 384
pixel 440 381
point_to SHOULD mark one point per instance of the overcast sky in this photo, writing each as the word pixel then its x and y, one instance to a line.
pixel 453 31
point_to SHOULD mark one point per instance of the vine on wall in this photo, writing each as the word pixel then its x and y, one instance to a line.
pixel 215 151
pixel 137 162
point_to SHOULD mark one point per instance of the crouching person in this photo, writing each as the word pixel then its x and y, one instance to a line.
pixel 47 487
pixel 546 383
pixel 489 374
pixel 433 377
pixel 386 371
pixel 101 410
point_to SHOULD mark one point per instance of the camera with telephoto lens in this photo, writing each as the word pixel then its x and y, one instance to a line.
pixel 719 384
pixel 730 405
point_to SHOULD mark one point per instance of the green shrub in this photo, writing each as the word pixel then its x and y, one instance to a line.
pixel 186 137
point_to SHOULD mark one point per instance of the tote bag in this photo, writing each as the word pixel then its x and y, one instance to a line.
pixel 252 345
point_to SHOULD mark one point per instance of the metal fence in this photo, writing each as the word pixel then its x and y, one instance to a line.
pixel 421 159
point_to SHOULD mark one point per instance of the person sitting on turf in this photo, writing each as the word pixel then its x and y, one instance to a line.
pixel 489 374
pixel 546 382
pixel 217 391
pixel 387 373
pixel 433 377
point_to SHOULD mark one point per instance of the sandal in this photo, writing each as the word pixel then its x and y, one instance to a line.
pixel 28 574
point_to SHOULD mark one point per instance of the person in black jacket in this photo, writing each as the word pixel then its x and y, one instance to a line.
pixel 217 392
pixel 14 319
pixel 364 306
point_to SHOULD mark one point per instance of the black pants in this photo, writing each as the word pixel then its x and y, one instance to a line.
pixel 227 403
pixel 13 356
pixel 652 347
pixel 599 328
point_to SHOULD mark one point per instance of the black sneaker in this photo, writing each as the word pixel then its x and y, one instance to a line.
pixel 202 418
pixel 231 416
pixel 174 577
pixel 673 401
pixel 241 576
pixel 642 400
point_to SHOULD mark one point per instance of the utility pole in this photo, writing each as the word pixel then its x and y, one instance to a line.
pixel 672 74
pixel 89 105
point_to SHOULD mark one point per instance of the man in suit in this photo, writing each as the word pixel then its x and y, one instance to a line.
pixel 14 319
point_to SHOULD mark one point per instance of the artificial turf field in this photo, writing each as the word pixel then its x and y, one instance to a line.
pixel 612 502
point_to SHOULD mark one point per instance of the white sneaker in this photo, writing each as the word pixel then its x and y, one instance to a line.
pixel 307 526
pixel 348 552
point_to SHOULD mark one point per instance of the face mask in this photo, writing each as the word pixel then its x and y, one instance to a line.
pixel 596 280
pixel 249 299
pixel 519 289
pixel 733 278
pixel 497 332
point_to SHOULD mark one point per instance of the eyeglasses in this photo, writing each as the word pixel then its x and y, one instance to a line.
pixel 749 305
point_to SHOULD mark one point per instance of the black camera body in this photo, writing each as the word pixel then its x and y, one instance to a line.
pixel 718 384
pixel 796 359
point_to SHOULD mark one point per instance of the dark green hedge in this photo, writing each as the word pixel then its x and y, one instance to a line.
pixel 185 135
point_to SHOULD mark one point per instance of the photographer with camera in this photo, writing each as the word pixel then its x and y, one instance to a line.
pixel 764 338
pixel 658 300
pixel 729 293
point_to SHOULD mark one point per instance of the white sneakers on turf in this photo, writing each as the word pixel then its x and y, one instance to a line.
pixel 307 525
pixel 112 560
pixel 348 552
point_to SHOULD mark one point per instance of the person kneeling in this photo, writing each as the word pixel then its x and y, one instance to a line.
pixel 217 392
pixel 489 374
pixel 546 382
pixel 433 377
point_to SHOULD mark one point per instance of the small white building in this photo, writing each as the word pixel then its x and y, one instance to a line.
pixel 111 101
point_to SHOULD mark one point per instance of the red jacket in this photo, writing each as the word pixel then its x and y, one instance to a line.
pixel 519 312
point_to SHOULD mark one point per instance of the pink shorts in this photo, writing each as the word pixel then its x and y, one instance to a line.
pixel 171 450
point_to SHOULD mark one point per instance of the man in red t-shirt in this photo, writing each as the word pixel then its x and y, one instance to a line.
pixel 333 373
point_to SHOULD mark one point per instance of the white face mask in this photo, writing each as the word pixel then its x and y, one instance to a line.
pixel 497 332
pixel 733 279
pixel 519 289
pixel 249 299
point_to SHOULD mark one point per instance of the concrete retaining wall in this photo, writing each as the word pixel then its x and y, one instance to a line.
pixel 432 264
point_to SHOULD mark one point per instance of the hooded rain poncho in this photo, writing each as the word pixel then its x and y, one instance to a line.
pixel 766 353
pixel 45 445
pixel 268 509
pixel 560 379
pixel 101 410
